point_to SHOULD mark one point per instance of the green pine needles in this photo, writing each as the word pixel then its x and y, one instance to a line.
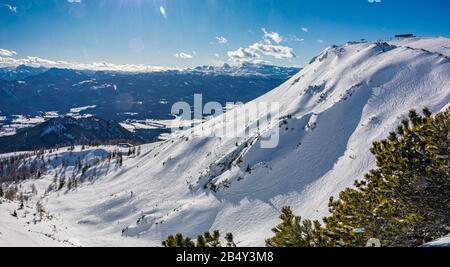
pixel 203 241
pixel 404 201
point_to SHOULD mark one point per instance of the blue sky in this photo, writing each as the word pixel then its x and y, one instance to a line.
pixel 187 33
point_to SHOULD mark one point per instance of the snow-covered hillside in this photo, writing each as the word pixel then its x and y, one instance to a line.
pixel 331 112
pixel 24 230
pixel 441 242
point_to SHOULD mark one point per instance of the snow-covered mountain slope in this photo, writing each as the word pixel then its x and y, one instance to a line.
pixel 441 242
pixel 26 229
pixel 330 113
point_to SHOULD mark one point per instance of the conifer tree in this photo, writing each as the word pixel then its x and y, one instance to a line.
pixel 293 232
pixel 404 201
pixel 201 243
pixel 178 241
pixel 230 240
pixel 205 240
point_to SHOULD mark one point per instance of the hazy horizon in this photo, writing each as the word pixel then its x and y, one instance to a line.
pixel 180 34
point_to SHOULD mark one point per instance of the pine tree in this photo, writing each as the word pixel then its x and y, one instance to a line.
pixel 178 241
pixel 293 232
pixel 230 240
pixel 404 201
pixel 201 243
pixel 40 209
pixel 205 240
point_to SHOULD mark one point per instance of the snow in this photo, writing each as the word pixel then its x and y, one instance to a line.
pixel 80 109
pixel 7 131
pixel 133 126
pixel 348 97
pixel 51 114
pixel 435 45
pixel 442 242
pixel 148 124
pixel 84 82
pixel 21 231
pixel 20 119
pixel 105 86
pixel 19 122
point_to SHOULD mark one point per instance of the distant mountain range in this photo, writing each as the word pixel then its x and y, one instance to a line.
pixel 33 91
pixel 20 72
pixel 245 69
pixel 66 131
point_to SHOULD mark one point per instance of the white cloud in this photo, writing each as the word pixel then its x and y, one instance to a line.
pixel 217 55
pixel 320 41
pixel 162 10
pixel 244 55
pixel 221 40
pixel 276 51
pixel 374 1
pixel 183 56
pixel 7 53
pixel 74 1
pixel 96 66
pixel 305 29
pixel 254 53
pixel 9 7
pixel 272 36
